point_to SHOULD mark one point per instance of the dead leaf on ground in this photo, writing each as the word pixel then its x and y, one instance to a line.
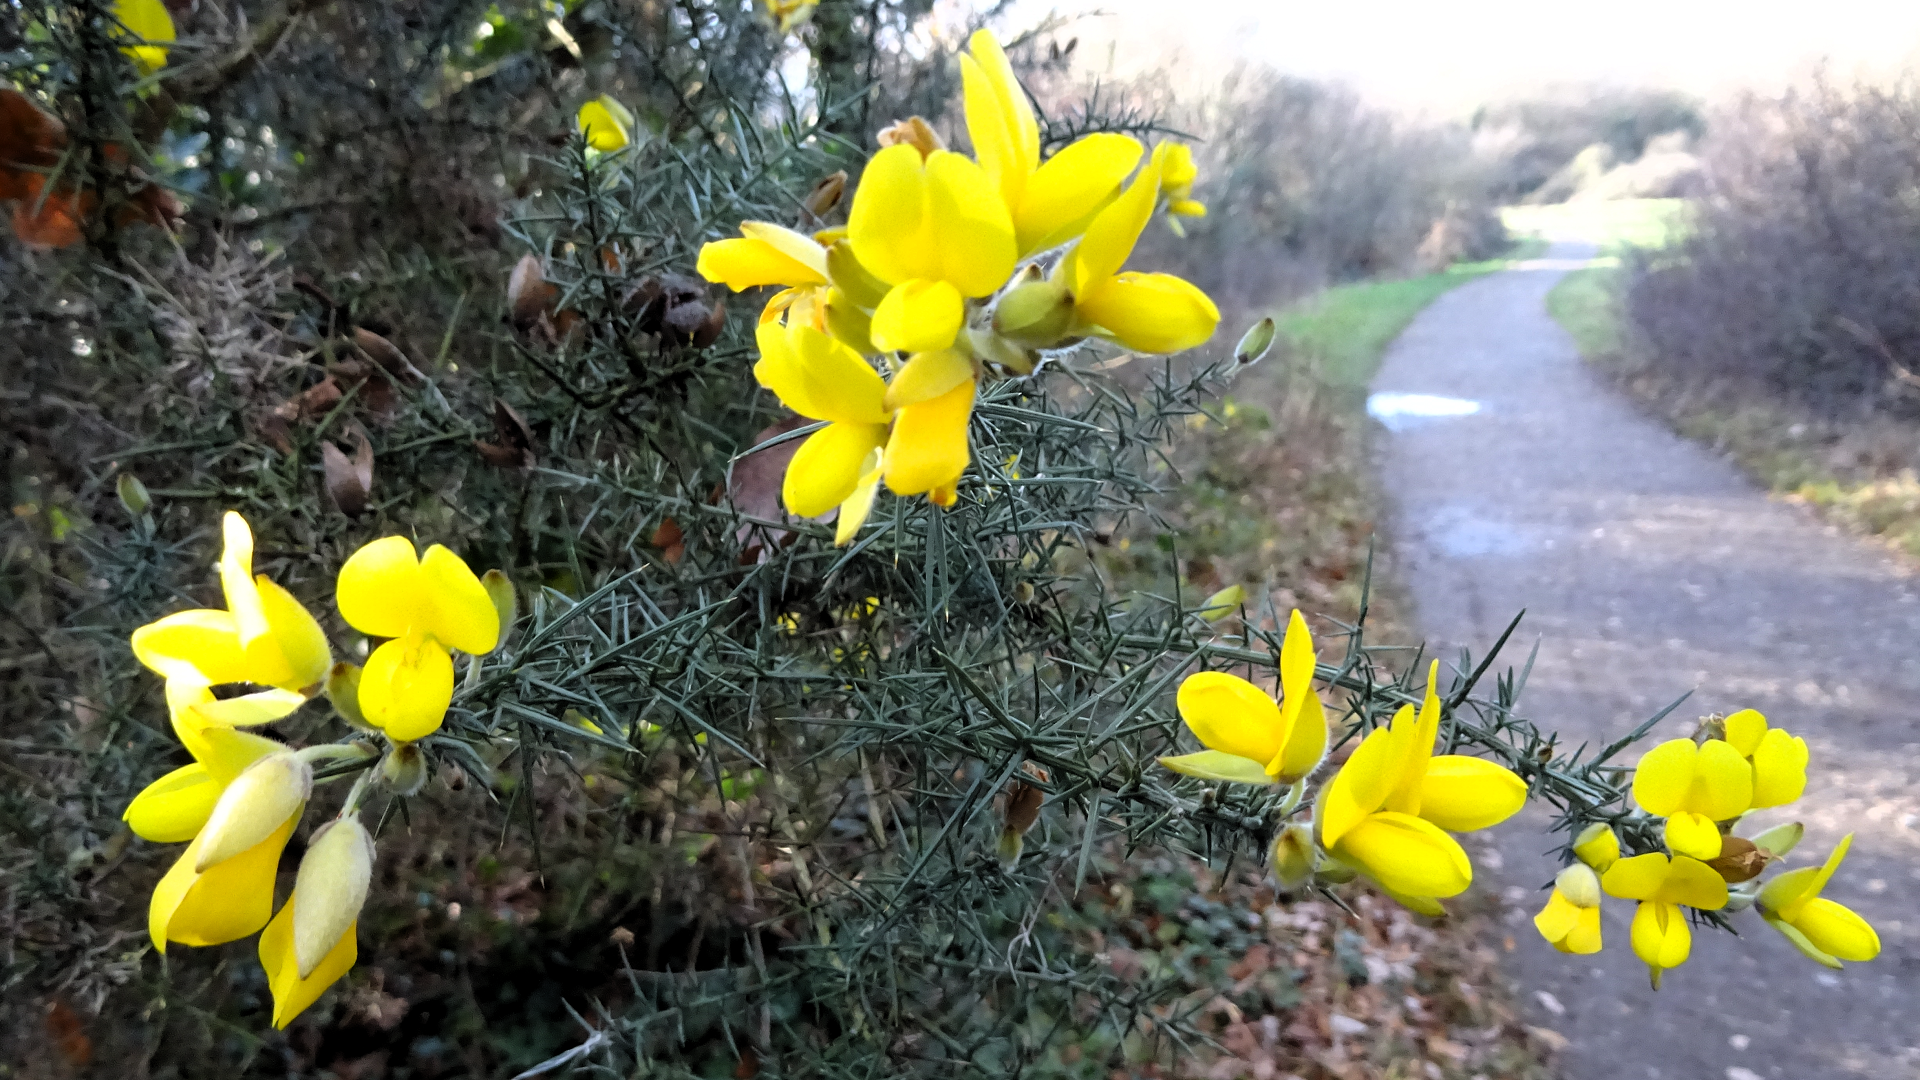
pixel 529 293
pixel 670 539
pixel 754 486
pixel 69 1034
pixel 349 481
pixel 388 356
pixel 512 447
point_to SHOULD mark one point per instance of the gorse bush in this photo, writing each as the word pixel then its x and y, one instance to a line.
pixel 1797 272
pixel 789 725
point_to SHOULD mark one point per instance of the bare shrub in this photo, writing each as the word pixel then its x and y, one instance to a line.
pixel 1800 274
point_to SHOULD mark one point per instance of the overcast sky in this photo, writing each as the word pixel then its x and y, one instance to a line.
pixel 1451 56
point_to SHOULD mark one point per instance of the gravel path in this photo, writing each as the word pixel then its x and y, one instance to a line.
pixel 1649 567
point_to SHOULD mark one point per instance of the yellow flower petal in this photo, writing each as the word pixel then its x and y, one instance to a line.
pixel 225 752
pixel 378 590
pixel 406 687
pixel 1461 794
pixel 856 507
pixel 607 124
pixel 299 646
pixel 1693 834
pixel 1745 729
pixel 172 809
pixel 1598 846
pixel 1152 313
pixel 229 901
pixel 1111 235
pixel 1362 784
pixel 928 448
pixel 1424 905
pixel 1660 935
pixel 1061 199
pixel 1800 941
pixel 1229 714
pixel 1836 930
pixel 1779 769
pixel 1000 122
pixel 1637 878
pixel 149 21
pixel 236 581
pixel 847 322
pixel 1218 765
pixel 1302 725
pixel 1693 883
pixel 827 468
pixel 268 794
pixel 200 644
pixel 887 224
pixel 249 710
pixel 1723 782
pixel 457 610
pixel 1416 733
pixel 768 255
pixel 838 383
pixel 292 995
pixel 1664 776
pixel 972 229
pixel 1558 918
pixel 927 376
pixel 1584 938
pixel 916 316
pixel 1408 855
pixel 1306 743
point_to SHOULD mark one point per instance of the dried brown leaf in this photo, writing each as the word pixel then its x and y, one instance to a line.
pixel 349 481
pixel 529 293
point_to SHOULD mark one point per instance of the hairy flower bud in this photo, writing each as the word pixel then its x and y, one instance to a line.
pixel 1293 857
pixel 1256 342
pixel 330 889
pixel 1579 884
pixel 254 806
pixel 1036 313
pixel 1597 846
pixel 343 691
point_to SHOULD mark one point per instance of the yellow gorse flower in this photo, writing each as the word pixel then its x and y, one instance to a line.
pixel 1661 938
pixel 1249 738
pixel 424 605
pixel 1571 920
pixel 151 23
pixel 1778 759
pixel 1155 313
pixel 789 15
pixel 312 942
pixel 924 270
pixel 1825 931
pixel 606 124
pixel 1388 811
pixel 1177 174
pixel 1694 786
pixel 263 637
pixel 1050 203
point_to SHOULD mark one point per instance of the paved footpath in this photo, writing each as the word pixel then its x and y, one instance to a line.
pixel 1649 567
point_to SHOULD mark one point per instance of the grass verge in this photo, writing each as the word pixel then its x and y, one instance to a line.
pixel 1861 473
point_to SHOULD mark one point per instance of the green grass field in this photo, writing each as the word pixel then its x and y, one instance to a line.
pixel 1345 330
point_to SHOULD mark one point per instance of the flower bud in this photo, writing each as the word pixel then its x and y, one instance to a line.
pixel 606 123
pixel 330 889
pixel 1256 342
pixel 1036 313
pixel 914 132
pixel 343 690
pixel 404 769
pixel 133 495
pixel 851 278
pixel 253 807
pixel 991 348
pixel 500 590
pixel 1293 856
pixel 1780 839
pixel 1597 846
pixel 1223 603
pixel 1579 884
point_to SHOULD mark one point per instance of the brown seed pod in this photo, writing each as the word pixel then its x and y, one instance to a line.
pixel 825 195
pixel 1739 860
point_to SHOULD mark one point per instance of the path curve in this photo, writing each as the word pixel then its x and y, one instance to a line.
pixel 1649 567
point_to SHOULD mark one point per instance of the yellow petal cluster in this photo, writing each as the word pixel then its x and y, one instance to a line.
pixel 1694 786
pixel 1571 920
pixel 1251 739
pixel 1389 810
pixel 606 124
pixel 1778 759
pixel 1664 886
pixel 912 289
pixel 425 605
pixel 1825 931
pixel 149 22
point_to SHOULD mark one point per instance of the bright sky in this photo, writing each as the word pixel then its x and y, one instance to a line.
pixel 1449 56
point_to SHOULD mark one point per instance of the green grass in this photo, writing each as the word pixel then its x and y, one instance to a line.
pixel 1346 329
pixel 1587 304
pixel 1646 223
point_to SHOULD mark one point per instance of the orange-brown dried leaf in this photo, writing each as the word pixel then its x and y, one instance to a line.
pixel 529 293
pixel 349 480
pixel 670 539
